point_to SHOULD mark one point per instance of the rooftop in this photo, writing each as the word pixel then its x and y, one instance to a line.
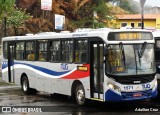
pixel 137 16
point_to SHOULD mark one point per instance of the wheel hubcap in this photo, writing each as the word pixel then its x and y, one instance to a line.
pixel 25 85
pixel 80 95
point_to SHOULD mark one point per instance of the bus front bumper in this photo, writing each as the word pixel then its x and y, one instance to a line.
pixel 112 96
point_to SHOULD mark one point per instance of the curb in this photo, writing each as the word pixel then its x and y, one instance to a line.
pixel 9 87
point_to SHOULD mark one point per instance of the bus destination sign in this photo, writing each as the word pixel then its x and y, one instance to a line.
pixel 127 36
pixel 130 36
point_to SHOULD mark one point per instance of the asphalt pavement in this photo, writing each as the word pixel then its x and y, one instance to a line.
pixel 12 96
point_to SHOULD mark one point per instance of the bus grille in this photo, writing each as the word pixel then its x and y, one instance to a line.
pixel 127 95
pixel 133 80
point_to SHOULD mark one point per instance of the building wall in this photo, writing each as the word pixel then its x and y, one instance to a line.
pixel 147 23
pixel 158 23
pixel 150 24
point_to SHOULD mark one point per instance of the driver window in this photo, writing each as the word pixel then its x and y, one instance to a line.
pixel 115 59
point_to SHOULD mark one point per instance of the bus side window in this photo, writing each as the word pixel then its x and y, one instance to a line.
pixel 157 57
pixel 30 51
pixel 76 56
pixel 41 57
pixel 64 56
pixel 158 44
pixel 19 50
pixel 80 51
pixel 55 51
pixel 67 51
pixel 5 51
pixel 42 51
pixel 83 57
pixel 31 56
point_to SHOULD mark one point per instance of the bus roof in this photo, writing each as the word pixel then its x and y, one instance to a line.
pixel 156 34
pixel 103 33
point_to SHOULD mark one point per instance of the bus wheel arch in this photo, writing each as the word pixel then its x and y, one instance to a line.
pixel 78 93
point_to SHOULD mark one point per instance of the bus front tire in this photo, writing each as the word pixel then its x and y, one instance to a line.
pixel 25 87
pixel 80 95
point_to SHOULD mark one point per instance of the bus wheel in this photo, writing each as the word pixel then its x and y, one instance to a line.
pixel 25 85
pixel 80 95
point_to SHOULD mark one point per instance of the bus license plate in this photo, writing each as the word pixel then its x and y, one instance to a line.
pixel 137 95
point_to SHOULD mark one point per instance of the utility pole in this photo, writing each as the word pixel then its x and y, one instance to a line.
pixel 94 18
pixel 5 20
pixel 5 28
pixel 142 2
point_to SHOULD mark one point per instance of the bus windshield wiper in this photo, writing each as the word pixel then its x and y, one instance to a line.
pixel 141 52
pixel 123 55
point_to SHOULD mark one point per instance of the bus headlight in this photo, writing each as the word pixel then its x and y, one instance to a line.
pixel 113 87
pixel 155 84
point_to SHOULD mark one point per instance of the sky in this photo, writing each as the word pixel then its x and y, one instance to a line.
pixel 152 2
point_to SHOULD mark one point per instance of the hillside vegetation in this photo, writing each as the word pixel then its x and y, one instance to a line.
pixel 26 16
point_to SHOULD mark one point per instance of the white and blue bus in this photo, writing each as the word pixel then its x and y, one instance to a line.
pixel 102 65
pixel 156 35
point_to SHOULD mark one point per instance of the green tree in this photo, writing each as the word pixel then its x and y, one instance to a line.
pixel 84 17
pixel 103 14
pixel 5 7
pixel 17 18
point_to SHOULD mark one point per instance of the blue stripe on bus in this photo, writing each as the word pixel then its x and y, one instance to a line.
pixel 4 64
pixel 47 71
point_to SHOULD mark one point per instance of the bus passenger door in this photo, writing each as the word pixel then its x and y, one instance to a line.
pixel 97 73
pixel 11 62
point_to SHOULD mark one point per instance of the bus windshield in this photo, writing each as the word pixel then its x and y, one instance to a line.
pixel 130 59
